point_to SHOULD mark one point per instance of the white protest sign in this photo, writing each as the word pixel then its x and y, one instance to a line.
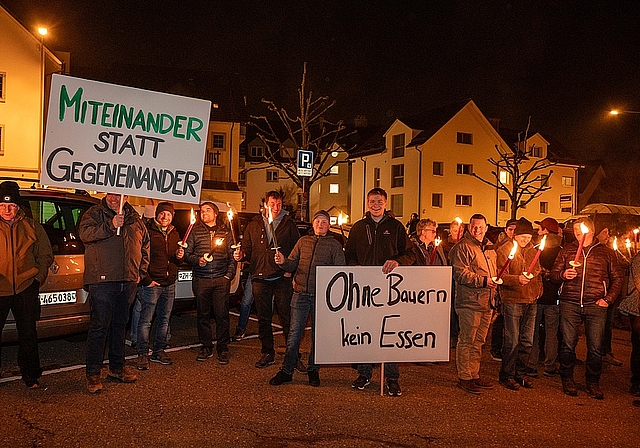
pixel 365 316
pixel 118 139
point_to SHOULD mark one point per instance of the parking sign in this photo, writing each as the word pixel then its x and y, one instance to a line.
pixel 305 163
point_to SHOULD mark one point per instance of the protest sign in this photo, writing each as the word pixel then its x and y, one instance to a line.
pixel 365 316
pixel 118 139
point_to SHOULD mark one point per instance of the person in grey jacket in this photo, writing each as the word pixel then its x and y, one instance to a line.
pixel 310 251
pixel 113 265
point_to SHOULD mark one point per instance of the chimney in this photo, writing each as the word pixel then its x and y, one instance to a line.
pixel 360 121
pixel 495 122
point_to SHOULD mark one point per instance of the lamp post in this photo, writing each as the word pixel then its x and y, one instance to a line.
pixel 42 31
pixel 618 112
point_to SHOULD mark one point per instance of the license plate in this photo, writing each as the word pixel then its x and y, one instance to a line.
pixel 185 276
pixel 53 298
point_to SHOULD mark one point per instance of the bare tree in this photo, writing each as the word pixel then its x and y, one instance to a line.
pixel 528 180
pixel 309 130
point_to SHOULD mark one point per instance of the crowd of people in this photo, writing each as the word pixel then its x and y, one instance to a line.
pixel 511 284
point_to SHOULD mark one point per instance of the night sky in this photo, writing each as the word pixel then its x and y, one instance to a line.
pixel 564 63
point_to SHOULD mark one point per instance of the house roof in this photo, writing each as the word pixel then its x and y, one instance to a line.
pixel 556 151
pixel 432 121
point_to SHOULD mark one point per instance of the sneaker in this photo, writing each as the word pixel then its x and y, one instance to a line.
pixel 361 382
pixel 123 376
pixel 525 382
pixel 281 378
pixel 314 378
pixel 551 373
pixel 393 388
pixel 143 362
pixel 32 384
pixel 130 343
pixel 483 383
pixel 238 336
pixel 496 355
pixel 569 387
pixel 94 384
pixel 533 373
pixel 161 358
pixel 205 353
pixel 635 390
pixel 469 386
pixel 265 361
pixel 223 357
pixel 610 359
pixel 510 384
pixel 300 367
pixel 594 391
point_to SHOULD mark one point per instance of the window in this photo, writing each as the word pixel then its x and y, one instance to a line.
pixel 463 199
pixel 566 209
pixel 544 208
pixel 334 188
pixel 398 146
pixel 565 198
pixel 335 169
pixel 217 141
pixel 465 138
pixel 567 181
pixel 242 178
pixel 256 151
pixel 60 220
pixel 505 177
pixel 544 180
pixel 376 177
pixel 503 205
pixel 3 78
pixel 536 151
pixel 566 203
pixel 438 168
pixel 523 205
pixel 397 175
pixel 1 140
pixel 436 200
pixel 272 175
pixel 396 205
pixel 463 168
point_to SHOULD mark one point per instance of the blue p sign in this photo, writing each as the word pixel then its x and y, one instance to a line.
pixel 305 163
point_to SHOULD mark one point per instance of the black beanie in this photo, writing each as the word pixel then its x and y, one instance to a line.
pixel 165 207
pixel 9 192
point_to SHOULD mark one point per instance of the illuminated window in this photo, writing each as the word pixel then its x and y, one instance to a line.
pixel 505 177
pixel 567 181
pixel 335 169
pixel 334 188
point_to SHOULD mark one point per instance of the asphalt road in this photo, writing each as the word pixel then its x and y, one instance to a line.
pixel 207 404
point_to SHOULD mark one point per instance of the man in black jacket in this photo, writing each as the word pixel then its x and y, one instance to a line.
pixel 209 252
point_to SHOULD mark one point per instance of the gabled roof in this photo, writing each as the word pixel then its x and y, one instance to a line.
pixel 556 152
pixel 432 121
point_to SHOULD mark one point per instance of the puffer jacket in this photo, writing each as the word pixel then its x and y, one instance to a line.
pixel 25 254
pixel 163 264
pixel 599 277
pixel 473 263
pixel 372 243
pixel 204 239
pixel 311 251
pixel 511 291
pixel 109 257
pixel 552 248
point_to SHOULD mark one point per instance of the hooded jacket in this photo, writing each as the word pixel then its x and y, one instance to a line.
pixel 163 264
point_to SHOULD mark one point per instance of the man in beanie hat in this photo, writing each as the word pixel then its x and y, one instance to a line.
pixel 25 257
pixel 157 289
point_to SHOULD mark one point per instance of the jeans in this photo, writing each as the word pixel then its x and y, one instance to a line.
pixel 519 321
pixel 551 316
pixel 264 293
pixel 594 318
pixel 26 310
pixel 497 333
pixel 212 297
pixel 301 306
pixel 635 349
pixel 474 326
pixel 135 318
pixel 245 307
pixel 156 300
pixel 110 302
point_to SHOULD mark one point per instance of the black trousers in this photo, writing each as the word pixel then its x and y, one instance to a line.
pixel 264 293
pixel 212 297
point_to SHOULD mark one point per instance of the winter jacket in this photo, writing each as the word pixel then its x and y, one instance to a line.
pixel 372 243
pixel 511 291
pixel 309 252
pixel 25 254
pixel 109 257
pixel 163 264
pixel 599 276
pixel 422 254
pixel 258 248
pixel 216 241
pixel 473 264
pixel 552 248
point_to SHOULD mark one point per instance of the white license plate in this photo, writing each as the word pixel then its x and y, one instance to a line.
pixel 53 298
pixel 185 276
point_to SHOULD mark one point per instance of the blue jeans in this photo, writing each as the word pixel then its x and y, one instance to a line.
pixel 245 306
pixel 551 316
pixel 135 318
pixel 301 306
pixel 158 300
pixel 519 322
pixel 594 318
pixel 110 302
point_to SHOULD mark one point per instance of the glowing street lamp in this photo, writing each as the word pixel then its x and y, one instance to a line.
pixel 618 112
pixel 42 31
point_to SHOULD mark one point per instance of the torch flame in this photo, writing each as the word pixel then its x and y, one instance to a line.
pixel 340 222
pixel 627 243
pixel 193 217
pixel 270 215
pixel 636 231
pixel 615 243
pixel 219 241
pixel 513 251
pixel 458 220
pixel 542 242
pixel 437 241
pixel 230 214
pixel 584 229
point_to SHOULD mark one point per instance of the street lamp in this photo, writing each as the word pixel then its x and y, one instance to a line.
pixel 618 112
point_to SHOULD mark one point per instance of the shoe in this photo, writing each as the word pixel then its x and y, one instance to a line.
pixel 280 378
pixel 300 367
pixel 496 355
pixel 525 382
pixel 361 382
pixel 94 384
pixel 393 388
pixel 123 376
pixel 533 373
pixel 32 384
pixel 610 359
pixel 205 353
pixel 594 391
pixel 469 386
pixel 265 361
pixel 314 378
pixel 569 387
pixel 130 343
pixel 635 390
pixel 483 383
pixel 223 357
pixel 551 373
pixel 510 384
pixel 238 336
pixel 161 358
pixel 143 362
